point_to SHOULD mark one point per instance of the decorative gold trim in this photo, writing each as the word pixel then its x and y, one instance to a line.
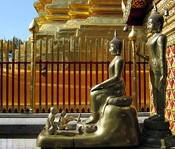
pixel 56 10
pixel 79 7
pixel 77 14
pixel 38 6
pixel 105 10
pixel 44 2
pixel 126 11
pixel 102 3
pixel 58 17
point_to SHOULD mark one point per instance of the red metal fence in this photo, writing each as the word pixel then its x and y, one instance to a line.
pixel 65 71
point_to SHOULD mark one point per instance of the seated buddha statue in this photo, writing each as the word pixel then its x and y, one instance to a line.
pixel 114 86
pixel 112 119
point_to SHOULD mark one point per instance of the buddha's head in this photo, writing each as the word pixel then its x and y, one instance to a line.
pixel 115 45
pixel 155 22
pixel 53 110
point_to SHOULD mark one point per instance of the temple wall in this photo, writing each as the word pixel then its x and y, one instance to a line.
pixel 88 20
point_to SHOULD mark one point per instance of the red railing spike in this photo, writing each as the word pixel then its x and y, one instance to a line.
pixel 16 110
pixel 148 109
pixel 77 110
pixel 22 110
pixel 83 110
pixel 27 110
pixel 49 110
pixel 43 110
pixel 4 110
pixel 37 110
pixel 10 110
pixel 60 110
pixel 142 109
pixel 67 110
pixel 72 110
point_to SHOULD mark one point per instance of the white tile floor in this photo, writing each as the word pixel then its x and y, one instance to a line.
pixel 18 144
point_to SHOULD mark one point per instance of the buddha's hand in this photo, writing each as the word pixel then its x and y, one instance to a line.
pixel 96 87
pixel 162 81
pixel 137 50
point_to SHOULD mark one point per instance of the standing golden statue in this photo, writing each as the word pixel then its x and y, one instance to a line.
pixel 156 46
pixel 114 86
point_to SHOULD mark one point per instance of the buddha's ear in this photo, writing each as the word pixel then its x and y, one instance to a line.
pixel 159 27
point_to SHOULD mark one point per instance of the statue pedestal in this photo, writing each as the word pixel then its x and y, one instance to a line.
pixel 118 127
pixel 157 134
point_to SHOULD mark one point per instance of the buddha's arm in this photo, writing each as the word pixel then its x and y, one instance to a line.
pixel 161 44
pixel 112 80
pixel 106 84
pixel 144 56
pixel 50 120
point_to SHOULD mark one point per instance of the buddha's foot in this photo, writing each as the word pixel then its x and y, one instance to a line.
pixel 87 129
pixel 92 119
pixel 157 117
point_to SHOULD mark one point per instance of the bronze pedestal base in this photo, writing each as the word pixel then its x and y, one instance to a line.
pixel 157 134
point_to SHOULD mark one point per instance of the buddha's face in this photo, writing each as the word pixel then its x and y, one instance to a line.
pixel 53 110
pixel 113 50
pixel 152 26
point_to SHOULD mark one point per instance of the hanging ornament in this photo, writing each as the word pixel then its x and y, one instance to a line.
pixel 125 29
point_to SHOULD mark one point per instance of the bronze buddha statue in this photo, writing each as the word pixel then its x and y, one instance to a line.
pixel 156 46
pixel 114 86
pixel 113 117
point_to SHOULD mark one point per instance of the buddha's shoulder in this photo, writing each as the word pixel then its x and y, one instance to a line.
pixel 162 38
pixel 120 59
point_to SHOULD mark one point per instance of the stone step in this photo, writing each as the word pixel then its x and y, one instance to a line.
pixel 19 125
